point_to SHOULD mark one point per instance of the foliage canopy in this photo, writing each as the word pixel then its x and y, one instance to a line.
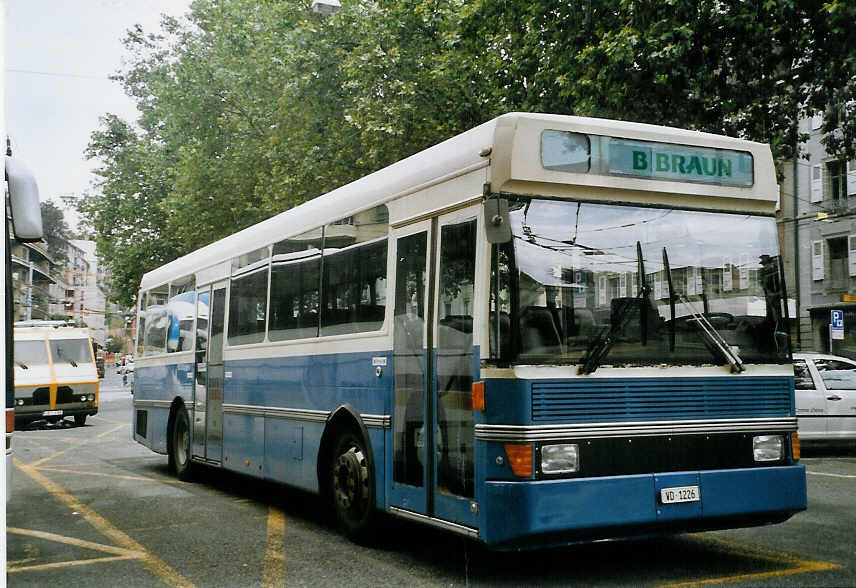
pixel 249 107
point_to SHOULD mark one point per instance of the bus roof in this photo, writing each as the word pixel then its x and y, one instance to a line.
pixel 508 147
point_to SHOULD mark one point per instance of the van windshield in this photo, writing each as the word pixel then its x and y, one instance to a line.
pixel 31 352
pixel 71 351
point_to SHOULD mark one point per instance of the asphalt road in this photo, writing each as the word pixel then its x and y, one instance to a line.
pixel 91 507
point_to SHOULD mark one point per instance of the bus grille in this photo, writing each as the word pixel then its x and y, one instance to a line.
pixel 64 395
pixel 643 399
pixel 42 395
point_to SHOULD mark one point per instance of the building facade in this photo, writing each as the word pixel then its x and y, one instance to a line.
pixel 32 280
pixel 818 228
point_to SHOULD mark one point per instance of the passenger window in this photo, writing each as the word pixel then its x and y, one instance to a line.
pixel 181 309
pixel 248 307
pixel 295 284
pixel 354 273
pixel 354 289
pixel 802 377
pixel 156 321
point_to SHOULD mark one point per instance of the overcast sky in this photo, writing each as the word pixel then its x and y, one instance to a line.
pixel 59 54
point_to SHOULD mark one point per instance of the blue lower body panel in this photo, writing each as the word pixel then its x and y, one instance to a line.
pixel 551 512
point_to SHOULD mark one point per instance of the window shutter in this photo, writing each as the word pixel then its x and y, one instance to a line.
pixel 851 254
pixel 817 183
pixel 817 260
pixel 851 178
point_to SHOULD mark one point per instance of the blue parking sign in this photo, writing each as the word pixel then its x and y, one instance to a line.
pixel 836 320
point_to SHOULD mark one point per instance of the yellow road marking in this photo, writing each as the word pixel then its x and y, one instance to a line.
pixel 113 430
pixel 800 566
pixel 155 564
pixel 117 476
pixel 76 542
pixel 67 564
pixel 274 572
pixel 72 447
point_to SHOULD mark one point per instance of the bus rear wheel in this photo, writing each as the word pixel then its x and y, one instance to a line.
pixel 352 487
pixel 179 448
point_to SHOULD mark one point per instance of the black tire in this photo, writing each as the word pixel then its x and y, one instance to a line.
pixel 80 420
pixel 352 487
pixel 179 447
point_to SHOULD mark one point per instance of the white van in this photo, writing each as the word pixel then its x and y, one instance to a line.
pixel 55 374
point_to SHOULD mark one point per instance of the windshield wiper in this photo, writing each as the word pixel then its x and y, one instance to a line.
pixel 668 269
pixel 22 364
pixel 603 342
pixel 714 338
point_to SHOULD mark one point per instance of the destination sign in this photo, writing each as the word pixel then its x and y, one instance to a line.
pixel 661 161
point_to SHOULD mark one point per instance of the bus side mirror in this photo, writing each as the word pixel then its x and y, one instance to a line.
pixel 496 220
pixel 24 202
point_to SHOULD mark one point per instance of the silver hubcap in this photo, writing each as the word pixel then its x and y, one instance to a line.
pixel 351 479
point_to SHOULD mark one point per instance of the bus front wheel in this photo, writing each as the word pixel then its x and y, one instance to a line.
pixel 352 486
pixel 179 449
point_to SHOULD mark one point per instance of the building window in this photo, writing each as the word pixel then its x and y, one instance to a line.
pixel 838 263
pixel 836 181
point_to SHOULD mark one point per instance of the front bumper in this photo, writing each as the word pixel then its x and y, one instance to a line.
pixel 553 512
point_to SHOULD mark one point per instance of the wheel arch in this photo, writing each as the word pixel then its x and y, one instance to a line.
pixel 343 418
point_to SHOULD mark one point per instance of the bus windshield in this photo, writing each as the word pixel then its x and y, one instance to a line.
pixel 636 286
pixel 71 351
pixel 31 352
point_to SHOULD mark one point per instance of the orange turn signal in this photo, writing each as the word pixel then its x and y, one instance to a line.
pixel 478 396
pixel 520 458
pixel 10 420
pixel 795 445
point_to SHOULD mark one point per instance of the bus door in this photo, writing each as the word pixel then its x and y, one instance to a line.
pixel 433 471
pixel 208 413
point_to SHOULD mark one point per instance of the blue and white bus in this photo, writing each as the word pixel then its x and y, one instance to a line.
pixel 544 330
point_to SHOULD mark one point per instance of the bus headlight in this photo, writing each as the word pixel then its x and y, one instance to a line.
pixel 91 397
pixel 20 402
pixel 560 459
pixel 83 398
pixel 768 447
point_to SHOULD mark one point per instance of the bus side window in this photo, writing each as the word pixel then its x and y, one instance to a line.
pixel 156 321
pixel 248 308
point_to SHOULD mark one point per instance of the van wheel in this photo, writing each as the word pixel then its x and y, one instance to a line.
pixel 80 420
pixel 179 449
pixel 352 486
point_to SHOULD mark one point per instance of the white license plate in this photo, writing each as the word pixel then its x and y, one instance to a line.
pixel 52 413
pixel 680 494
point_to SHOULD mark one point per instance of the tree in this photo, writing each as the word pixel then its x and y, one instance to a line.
pixel 56 232
pixel 127 216
pixel 250 107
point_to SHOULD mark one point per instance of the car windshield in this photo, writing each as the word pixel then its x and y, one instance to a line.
pixel 636 286
pixel 71 351
pixel 31 352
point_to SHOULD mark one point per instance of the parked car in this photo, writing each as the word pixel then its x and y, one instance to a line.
pixel 825 396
